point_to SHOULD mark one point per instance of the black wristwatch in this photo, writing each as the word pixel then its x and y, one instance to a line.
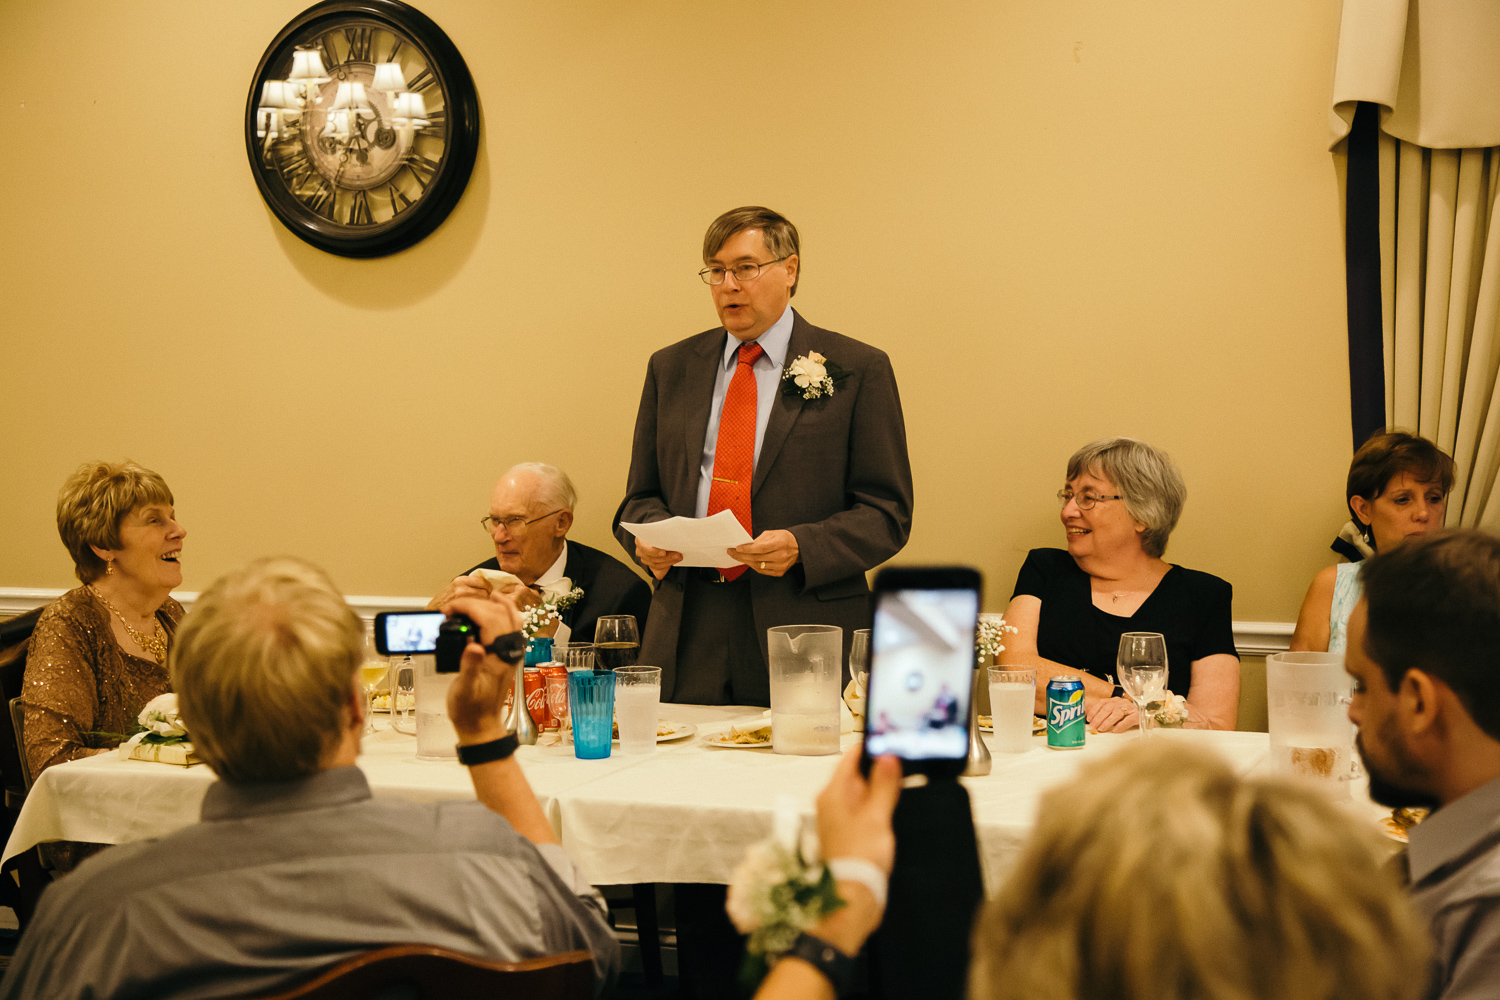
pixel 837 967
pixel 1118 692
pixel 482 753
pixel 510 647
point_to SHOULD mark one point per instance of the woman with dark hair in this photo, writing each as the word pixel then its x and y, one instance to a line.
pixel 1397 489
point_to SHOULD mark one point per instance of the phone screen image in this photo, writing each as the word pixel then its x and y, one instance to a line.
pixel 921 674
pixel 412 633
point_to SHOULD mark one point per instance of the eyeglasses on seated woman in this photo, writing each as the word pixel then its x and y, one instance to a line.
pixel 1121 499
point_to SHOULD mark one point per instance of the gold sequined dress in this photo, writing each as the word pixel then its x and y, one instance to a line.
pixel 79 681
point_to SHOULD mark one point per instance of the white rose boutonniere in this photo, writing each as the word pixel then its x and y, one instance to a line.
pixel 811 376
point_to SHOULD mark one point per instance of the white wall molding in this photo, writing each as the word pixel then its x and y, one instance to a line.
pixel 19 600
pixel 1251 638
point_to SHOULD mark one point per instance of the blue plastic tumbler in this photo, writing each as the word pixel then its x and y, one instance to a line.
pixel 591 705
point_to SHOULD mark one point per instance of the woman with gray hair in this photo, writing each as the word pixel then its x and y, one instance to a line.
pixel 1121 502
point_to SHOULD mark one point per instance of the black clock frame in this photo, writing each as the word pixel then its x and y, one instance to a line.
pixel 462 146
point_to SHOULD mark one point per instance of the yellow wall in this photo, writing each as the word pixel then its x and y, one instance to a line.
pixel 1062 220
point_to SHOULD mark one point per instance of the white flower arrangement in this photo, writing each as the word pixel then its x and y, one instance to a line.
pixel 161 719
pixel 779 890
pixel 989 637
pixel 1171 712
pixel 811 376
pixel 539 616
pixel 160 725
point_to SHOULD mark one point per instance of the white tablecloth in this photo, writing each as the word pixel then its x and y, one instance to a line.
pixel 684 813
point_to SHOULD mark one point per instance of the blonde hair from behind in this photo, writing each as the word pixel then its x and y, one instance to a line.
pixel 263 667
pixel 93 502
pixel 1162 874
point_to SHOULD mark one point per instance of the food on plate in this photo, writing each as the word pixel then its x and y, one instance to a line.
pixel 1400 821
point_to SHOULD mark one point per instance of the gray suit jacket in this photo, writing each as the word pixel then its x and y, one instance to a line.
pixel 833 471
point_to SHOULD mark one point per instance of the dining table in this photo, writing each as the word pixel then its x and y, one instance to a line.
pixel 685 811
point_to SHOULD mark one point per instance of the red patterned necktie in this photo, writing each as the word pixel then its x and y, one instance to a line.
pixel 734 454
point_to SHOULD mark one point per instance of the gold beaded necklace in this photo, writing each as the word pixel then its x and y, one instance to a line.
pixel 156 644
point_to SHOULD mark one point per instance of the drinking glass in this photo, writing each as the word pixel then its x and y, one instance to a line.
pixel 591 697
pixel 637 698
pixel 859 659
pixel 372 673
pixel 617 643
pixel 580 656
pixel 1142 669
pixel 1012 707
pixel 404 696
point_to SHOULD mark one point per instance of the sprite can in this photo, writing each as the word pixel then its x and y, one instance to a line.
pixel 1065 720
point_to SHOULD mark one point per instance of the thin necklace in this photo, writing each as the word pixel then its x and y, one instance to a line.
pixel 156 644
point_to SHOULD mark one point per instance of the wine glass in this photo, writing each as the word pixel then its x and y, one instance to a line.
pixel 617 642
pixel 1142 668
pixel 374 669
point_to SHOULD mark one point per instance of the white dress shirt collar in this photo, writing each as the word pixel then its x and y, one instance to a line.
pixel 775 341
pixel 555 571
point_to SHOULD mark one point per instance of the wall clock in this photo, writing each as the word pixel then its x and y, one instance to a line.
pixel 362 126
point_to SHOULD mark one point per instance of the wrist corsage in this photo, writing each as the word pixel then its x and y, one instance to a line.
pixel 779 890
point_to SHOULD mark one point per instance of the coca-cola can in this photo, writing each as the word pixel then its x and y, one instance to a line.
pixel 557 693
pixel 535 686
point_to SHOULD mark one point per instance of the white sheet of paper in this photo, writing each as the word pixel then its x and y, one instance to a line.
pixel 701 540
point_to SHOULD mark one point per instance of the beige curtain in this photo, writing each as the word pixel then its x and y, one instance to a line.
pixel 1434 68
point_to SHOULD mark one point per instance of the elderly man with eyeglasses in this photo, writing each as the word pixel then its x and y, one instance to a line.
pixel 531 512
pixel 796 430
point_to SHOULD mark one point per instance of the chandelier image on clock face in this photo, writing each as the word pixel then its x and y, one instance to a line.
pixel 363 126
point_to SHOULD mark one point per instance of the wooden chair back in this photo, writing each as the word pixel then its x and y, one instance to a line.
pixel 15 634
pixel 427 972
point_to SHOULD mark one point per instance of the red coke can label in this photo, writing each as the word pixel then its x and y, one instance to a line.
pixel 556 676
pixel 535 686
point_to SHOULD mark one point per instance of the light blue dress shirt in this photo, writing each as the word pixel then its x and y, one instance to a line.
pixel 768 368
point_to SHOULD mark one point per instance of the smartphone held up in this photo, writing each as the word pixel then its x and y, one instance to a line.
pixel 922 668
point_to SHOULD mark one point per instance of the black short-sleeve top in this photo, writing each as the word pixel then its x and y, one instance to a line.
pixel 1190 608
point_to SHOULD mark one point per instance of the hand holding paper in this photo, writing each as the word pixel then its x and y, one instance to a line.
pixel 702 541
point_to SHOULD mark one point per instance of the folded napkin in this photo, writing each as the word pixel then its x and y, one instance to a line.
pixel 499 580
pixel 751 725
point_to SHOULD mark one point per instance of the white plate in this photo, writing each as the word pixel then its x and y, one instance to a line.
pixel 680 731
pixel 1038 726
pixel 719 740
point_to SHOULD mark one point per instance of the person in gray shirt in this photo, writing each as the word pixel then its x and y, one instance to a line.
pixel 294 865
pixel 1424 652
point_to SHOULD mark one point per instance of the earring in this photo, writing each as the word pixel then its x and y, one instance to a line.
pixel 109 567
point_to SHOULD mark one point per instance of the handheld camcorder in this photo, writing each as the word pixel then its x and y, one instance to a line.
pixel 409 633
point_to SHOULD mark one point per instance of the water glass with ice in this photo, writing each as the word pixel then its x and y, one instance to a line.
pixel 1012 706
pixel 637 699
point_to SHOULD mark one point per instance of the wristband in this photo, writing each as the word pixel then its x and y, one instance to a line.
pixel 473 754
pixel 863 871
pixel 837 967
pixel 510 647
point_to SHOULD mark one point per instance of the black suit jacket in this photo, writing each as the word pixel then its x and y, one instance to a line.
pixel 609 588
pixel 833 471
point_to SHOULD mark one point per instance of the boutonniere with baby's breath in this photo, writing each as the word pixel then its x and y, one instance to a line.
pixel 811 376
pixel 539 616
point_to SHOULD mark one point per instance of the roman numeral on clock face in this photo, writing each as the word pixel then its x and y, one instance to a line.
pixel 359 209
pixel 359 43
pixel 422 80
